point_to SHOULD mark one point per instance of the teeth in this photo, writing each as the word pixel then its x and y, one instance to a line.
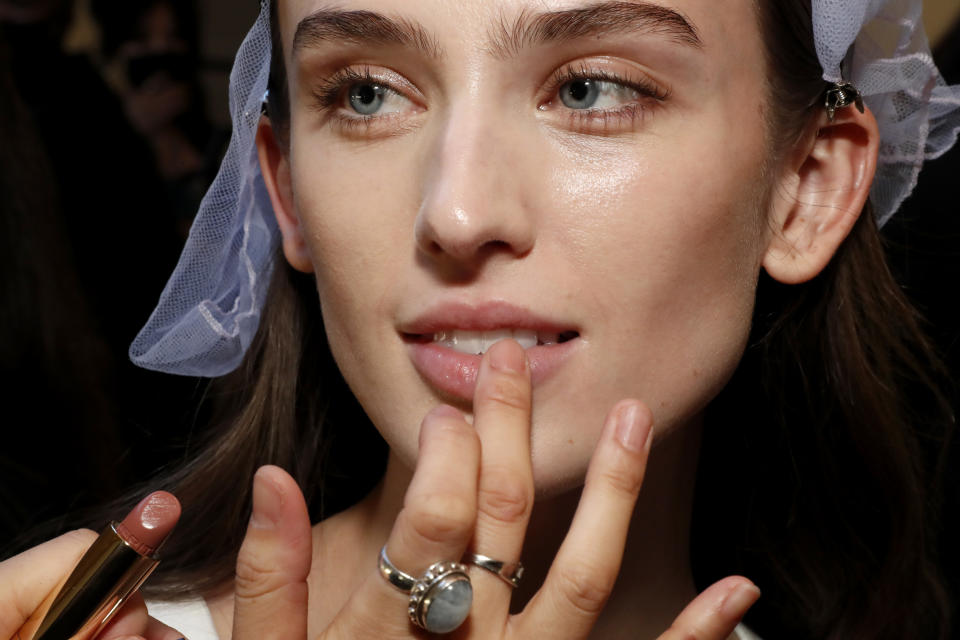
pixel 469 342
pixel 477 342
pixel 526 338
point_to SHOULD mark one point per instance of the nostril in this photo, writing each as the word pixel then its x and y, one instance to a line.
pixel 495 246
pixel 462 236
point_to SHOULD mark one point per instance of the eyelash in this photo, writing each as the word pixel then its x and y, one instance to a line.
pixel 329 93
pixel 624 118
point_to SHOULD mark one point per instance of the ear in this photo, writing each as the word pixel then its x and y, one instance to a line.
pixel 275 167
pixel 822 192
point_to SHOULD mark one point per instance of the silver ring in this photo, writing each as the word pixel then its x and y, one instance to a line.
pixel 511 573
pixel 439 600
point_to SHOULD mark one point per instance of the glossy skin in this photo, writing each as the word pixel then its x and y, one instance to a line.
pixel 448 180
pixel 480 197
pixel 641 225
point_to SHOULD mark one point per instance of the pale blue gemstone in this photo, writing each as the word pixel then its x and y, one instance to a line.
pixel 449 607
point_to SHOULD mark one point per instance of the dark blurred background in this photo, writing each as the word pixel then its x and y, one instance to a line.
pixel 113 117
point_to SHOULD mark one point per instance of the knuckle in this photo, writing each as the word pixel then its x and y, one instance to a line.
pixel 80 537
pixel 508 392
pixel 254 579
pixel 678 632
pixel 586 588
pixel 440 517
pixel 449 435
pixel 286 597
pixel 623 478
pixel 504 495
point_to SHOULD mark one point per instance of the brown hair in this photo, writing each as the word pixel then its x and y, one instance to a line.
pixel 822 456
pixel 822 408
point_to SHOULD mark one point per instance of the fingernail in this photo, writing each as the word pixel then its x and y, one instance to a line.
pixel 267 501
pixel 507 356
pixel 742 598
pixel 444 411
pixel 632 432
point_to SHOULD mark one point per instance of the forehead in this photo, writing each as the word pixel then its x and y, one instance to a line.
pixel 724 27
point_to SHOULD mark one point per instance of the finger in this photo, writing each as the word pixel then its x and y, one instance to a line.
pixel 434 525
pixel 30 581
pixel 505 492
pixel 715 613
pixel 133 621
pixel 582 575
pixel 270 590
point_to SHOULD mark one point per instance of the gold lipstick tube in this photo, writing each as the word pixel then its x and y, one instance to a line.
pixel 106 576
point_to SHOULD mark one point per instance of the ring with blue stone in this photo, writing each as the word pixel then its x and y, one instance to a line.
pixel 439 600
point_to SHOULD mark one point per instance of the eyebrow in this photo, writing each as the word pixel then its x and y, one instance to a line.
pixel 362 28
pixel 529 29
pixel 605 18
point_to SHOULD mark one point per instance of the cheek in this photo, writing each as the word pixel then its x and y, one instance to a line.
pixel 664 239
pixel 356 245
pixel 350 223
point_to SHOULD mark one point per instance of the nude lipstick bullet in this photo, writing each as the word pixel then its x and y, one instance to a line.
pixel 111 570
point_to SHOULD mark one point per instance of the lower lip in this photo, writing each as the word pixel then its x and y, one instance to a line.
pixel 455 373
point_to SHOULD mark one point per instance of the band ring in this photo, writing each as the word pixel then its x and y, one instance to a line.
pixel 439 600
pixel 511 573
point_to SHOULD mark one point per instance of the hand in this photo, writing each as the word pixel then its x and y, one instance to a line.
pixel 30 581
pixel 459 498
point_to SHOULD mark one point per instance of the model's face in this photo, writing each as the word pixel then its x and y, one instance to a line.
pixel 585 175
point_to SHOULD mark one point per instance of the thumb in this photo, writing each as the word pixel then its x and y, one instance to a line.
pixel 30 581
pixel 271 582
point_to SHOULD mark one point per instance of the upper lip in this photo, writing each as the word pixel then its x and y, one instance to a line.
pixel 485 316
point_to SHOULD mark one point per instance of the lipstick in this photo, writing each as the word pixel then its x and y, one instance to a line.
pixel 112 569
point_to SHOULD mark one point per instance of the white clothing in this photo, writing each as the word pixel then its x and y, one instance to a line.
pixel 192 619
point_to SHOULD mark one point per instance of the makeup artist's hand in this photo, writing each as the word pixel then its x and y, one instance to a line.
pixel 459 499
pixel 29 582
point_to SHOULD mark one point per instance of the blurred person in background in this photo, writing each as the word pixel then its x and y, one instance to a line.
pixel 151 52
pixel 87 241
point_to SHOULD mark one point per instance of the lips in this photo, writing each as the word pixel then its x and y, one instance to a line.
pixel 446 343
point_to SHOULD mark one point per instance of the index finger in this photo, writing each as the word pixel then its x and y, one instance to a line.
pixel 502 406
pixel 30 580
pixel 133 621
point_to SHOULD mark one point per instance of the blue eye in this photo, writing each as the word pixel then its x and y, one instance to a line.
pixel 594 94
pixel 366 98
pixel 580 94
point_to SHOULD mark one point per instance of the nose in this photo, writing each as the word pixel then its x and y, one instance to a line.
pixel 473 205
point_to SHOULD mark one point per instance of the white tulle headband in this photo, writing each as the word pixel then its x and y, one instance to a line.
pixel 210 309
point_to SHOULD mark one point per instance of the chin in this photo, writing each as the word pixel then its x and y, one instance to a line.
pixel 553 485
pixel 560 461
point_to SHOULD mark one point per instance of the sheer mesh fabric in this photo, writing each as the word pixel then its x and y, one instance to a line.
pixel 882 49
pixel 210 309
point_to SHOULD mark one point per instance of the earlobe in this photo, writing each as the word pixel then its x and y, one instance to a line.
pixel 275 167
pixel 822 195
